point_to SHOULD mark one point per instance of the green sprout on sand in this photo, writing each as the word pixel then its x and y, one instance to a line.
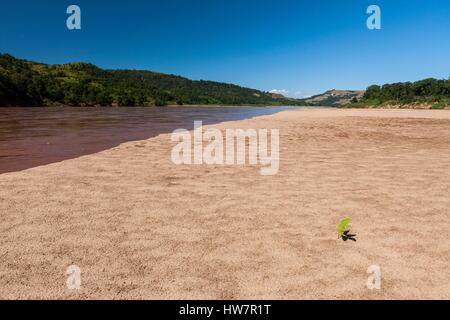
pixel 344 229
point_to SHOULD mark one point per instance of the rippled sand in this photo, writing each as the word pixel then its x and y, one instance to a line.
pixel 140 227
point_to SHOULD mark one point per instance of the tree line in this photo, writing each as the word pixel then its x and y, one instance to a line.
pixel 27 83
pixel 429 91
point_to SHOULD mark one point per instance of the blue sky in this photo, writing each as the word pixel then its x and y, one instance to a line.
pixel 302 47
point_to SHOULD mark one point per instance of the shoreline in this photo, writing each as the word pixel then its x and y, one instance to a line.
pixel 165 106
pixel 140 227
pixel 33 137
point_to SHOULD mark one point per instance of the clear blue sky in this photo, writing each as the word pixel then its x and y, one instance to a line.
pixel 304 47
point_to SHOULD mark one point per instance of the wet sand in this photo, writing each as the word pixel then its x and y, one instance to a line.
pixel 140 227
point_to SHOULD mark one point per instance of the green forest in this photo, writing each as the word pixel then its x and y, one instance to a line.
pixel 433 92
pixel 27 83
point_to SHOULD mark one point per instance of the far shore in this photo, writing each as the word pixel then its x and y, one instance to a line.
pixel 140 227
pixel 418 106
pixel 165 106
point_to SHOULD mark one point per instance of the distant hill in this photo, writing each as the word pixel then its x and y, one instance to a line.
pixel 334 98
pixel 27 83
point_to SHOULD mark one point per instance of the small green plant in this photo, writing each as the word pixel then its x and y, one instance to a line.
pixel 344 230
pixel 342 226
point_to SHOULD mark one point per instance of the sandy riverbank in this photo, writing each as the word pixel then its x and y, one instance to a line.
pixel 140 227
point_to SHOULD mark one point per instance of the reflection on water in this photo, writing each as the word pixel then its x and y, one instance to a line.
pixel 31 137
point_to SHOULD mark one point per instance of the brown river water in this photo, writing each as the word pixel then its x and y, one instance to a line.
pixel 31 137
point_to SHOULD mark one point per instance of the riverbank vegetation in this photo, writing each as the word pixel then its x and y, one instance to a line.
pixel 428 93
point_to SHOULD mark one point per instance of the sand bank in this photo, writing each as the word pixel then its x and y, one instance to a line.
pixel 139 226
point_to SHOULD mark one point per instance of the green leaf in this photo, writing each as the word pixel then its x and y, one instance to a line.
pixel 342 226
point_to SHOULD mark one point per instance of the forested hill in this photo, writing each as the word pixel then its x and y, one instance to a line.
pixel 27 83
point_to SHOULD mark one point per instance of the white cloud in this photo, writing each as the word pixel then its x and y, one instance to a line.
pixel 284 92
pixel 302 95
pixel 297 94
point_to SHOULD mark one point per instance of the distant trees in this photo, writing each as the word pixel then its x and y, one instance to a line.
pixel 83 84
pixel 428 90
